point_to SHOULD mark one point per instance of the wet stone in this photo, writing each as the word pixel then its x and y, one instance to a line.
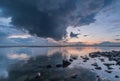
pixel 116 76
pixel 109 67
pixel 74 57
pixel 70 60
pixel 98 68
pixel 118 63
pixel 84 60
pixel 94 64
pixel 66 63
pixel 49 66
pixel 59 65
pixel 108 71
pixel 102 60
pixel 74 76
pixel 108 64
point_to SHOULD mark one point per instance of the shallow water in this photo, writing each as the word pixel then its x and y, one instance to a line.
pixel 24 63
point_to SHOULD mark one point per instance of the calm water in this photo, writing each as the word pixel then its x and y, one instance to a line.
pixel 23 64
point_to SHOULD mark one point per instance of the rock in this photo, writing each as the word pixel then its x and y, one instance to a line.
pixel 98 68
pixel 109 67
pixel 105 79
pixel 116 76
pixel 94 64
pixel 74 57
pixel 108 71
pixel 38 75
pixel 59 65
pixel 70 60
pixel 85 59
pixel 49 66
pixel 118 63
pixel 66 63
pixel 92 69
pixel 108 64
pixel 94 54
pixel 98 78
pixel 74 76
pixel 102 60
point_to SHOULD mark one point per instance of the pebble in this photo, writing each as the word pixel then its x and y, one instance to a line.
pixel 74 76
pixel 49 66
pixel 108 71
pixel 66 63
pixel 116 76
pixel 59 65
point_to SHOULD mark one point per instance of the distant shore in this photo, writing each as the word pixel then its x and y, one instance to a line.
pixel 60 46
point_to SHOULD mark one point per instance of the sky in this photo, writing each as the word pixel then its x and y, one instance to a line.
pixel 51 22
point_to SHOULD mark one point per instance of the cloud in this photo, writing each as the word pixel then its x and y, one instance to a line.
pixel 73 35
pixel 5 21
pixel 117 39
pixel 109 43
pixel 6 34
pixel 50 18
pixel 85 35
pixel 3 73
pixel 117 35
pixel 18 56
pixel 19 36
pixel 3 37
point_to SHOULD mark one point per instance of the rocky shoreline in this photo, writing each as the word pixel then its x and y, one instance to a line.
pixel 112 56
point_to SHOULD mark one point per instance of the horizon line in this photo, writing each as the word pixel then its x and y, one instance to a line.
pixel 60 46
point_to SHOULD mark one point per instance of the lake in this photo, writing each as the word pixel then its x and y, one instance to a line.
pixel 45 64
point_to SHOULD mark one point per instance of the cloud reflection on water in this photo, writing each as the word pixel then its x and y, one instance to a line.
pixel 12 56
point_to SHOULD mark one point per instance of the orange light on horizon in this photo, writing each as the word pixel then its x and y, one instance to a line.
pixel 87 42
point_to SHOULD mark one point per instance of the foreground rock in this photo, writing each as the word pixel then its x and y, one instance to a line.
pixel 59 65
pixel 112 56
pixel 96 66
pixel 108 71
pixel 74 76
pixel 66 63
pixel 116 76
pixel 49 66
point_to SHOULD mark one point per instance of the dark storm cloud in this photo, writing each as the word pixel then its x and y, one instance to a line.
pixel 73 35
pixel 50 18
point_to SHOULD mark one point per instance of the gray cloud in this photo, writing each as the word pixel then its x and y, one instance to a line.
pixel 73 35
pixel 85 35
pixel 117 35
pixel 117 39
pixel 50 18
pixel 3 39
pixel 109 43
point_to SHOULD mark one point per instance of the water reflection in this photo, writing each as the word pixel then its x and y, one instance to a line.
pixel 21 56
pixel 27 71
pixel 22 64
pixel 78 51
